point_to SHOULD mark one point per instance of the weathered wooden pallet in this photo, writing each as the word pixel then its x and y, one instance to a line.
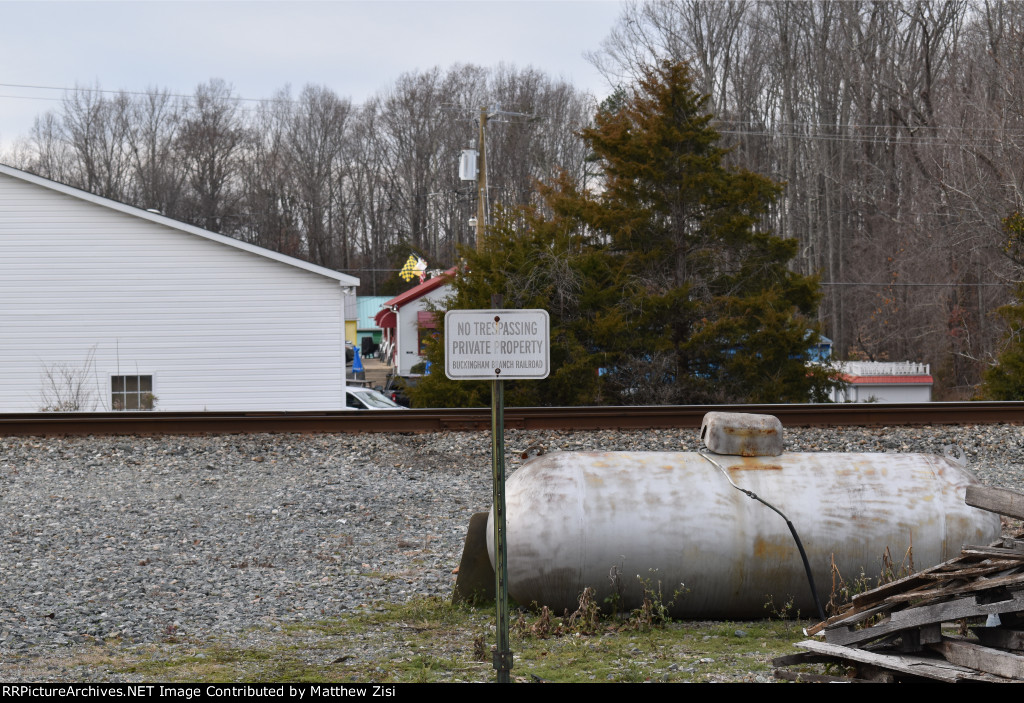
pixel 922 666
pixel 912 618
pixel 907 640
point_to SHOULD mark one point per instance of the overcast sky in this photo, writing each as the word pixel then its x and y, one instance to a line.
pixel 355 47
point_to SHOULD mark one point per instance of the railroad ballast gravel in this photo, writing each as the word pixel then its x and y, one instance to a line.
pixel 142 538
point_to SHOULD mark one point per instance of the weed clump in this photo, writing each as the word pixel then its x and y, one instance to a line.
pixel 585 620
pixel 654 610
pixel 844 591
pixel 786 611
pixel 589 618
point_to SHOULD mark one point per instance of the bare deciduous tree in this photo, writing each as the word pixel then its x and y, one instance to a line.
pixel 209 142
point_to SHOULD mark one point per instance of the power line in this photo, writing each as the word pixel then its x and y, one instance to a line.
pixel 107 91
pixel 899 137
pixel 876 139
pixel 854 125
pixel 31 97
pixel 159 94
pixel 459 108
pixel 764 131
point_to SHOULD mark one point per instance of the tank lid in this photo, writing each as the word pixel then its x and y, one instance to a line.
pixel 742 434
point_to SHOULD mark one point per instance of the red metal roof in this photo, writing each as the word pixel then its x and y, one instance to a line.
pixel 890 380
pixel 386 317
pixel 422 289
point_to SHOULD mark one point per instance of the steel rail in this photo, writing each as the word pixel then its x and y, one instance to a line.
pixel 458 419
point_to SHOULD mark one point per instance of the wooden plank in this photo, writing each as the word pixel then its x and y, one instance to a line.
pixel 879 594
pixel 915 639
pixel 815 629
pixel 910 664
pixel 992 552
pixel 973 571
pixel 953 590
pixel 954 610
pixel 996 500
pixel 926 594
pixel 800 658
pixel 918 599
pixel 976 656
pixel 924 615
pixel 979 585
pixel 849 619
pixel 1013 543
pixel 1000 637
pixel 930 634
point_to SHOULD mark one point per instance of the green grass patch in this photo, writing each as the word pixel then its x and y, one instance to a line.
pixel 430 640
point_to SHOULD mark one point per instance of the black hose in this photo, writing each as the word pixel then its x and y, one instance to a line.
pixel 792 529
pixel 807 569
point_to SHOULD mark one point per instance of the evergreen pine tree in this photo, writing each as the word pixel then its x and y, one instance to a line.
pixel 708 310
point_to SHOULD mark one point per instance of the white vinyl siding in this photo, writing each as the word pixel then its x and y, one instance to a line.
pixel 222 328
pixel 408 329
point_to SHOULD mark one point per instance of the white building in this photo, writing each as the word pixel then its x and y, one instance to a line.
pixel 883 382
pixel 407 322
pixel 104 307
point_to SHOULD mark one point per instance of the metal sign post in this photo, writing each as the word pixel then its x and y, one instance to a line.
pixel 495 345
pixel 503 651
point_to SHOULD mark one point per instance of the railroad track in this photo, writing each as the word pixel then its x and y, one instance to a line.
pixel 437 420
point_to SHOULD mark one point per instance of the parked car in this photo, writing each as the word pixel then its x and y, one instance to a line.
pixel 368 399
pixel 398 390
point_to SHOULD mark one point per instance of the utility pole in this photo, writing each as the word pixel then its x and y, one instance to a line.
pixel 481 183
pixel 481 178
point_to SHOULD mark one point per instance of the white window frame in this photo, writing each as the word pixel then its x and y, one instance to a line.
pixel 144 399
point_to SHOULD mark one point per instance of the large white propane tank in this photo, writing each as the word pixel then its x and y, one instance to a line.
pixel 575 519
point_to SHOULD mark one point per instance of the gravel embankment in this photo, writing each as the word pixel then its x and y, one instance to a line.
pixel 139 538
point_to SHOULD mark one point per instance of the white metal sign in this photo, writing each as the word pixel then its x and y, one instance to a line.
pixel 496 344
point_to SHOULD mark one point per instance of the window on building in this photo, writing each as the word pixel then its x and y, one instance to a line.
pixel 132 393
pixel 426 322
pixel 424 335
